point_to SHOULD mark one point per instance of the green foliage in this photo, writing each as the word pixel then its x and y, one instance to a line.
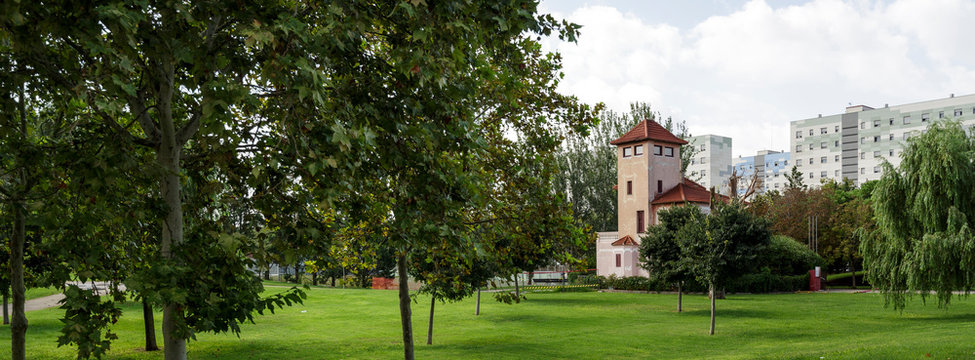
pixel 785 256
pixel 723 244
pixel 86 322
pixel 924 242
pixel 660 248
pixel 795 179
pixel 766 282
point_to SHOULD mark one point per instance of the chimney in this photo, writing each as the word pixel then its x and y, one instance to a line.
pixel 952 95
pixel 820 115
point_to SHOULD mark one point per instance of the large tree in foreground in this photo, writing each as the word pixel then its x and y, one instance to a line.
pixel 924 208
pixel 660 250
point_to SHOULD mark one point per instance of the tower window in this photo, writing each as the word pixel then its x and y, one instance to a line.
pixel 629 188
pixel 669 151
pixel 627 152
pixel 638 150
pixel 639 221
pixel 619 260
pixel 658 150
pixel 660 186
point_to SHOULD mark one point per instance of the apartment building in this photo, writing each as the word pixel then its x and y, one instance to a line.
pixel 771 167
pixel 854 144
pixel 711 164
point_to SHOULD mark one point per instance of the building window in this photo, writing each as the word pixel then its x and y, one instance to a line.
pixel 810 146
pixel 693 161
pixel 836 143
pixel 703 159
pixel 907 119
pixel 810 161
pixel 702 147
pixel 639 221
pixel 660 186
pixel 836 173
pixel 876 169
pixel 891 137
pixel 799 164
pixel 836 158
pixel 863 125
pixel 619 260
pixel 863 140
pixel 822 145
pixel 704 173
pixel 941 114
pixel 876 139
pixel 798 134
pixel 891 152
pixel 629 188
pixel 822 174
pixel 891 121
pixel 876 123
pixel 810 132
pixel 863 155
pixel 957 112
pixel 925 117
pixel 785 162
pixel 669 151
pixel 822 160
pixel 811 175
pixel 822 130
pixel 638 150
pixel 863 171
pixel 798 148
pixel 627 152
pixel 658 150
pixel 876 154
pixel 836 128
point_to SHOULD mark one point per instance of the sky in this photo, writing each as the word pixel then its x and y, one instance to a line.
pixel 745 69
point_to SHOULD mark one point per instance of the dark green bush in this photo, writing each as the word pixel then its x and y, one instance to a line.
pixel 785 256
pixel 766 282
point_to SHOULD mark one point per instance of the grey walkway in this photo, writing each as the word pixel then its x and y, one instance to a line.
pixel 50 301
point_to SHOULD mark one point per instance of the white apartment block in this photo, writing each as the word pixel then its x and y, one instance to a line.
pixel 711 165
pixel 854 144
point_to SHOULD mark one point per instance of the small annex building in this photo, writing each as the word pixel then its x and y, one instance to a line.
pixel 648 179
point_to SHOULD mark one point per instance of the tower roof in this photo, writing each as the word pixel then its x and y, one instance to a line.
pixel 648 130
pixel 687 191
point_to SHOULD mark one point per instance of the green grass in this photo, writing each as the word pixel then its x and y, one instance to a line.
pixel 364 324
pixel 40 292
pixel 846 275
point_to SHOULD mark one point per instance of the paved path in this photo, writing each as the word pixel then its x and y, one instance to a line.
pixel 50 301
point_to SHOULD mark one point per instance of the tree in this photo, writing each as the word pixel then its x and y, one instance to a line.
pixel 795 179
pixel 170 77
pixel 660 249
pixel 924 242
pixel 722 245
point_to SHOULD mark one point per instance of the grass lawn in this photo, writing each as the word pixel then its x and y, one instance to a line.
pixel 364 324
pixel 39 292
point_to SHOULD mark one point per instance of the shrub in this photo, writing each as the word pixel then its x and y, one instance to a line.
pixel 786 256
pixel 766 282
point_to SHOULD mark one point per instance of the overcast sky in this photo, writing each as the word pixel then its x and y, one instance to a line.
pixel 744 69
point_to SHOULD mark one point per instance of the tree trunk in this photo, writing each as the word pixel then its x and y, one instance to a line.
pixel 18 328
pixel 404 307
pixel 531 276
pixel 297 273
pixel 267 274
pixel 477 305
pixel 854 272
pixel 713 297
pixel 314 278
pixel 168 158
pixel 150 325
pixel 517 292
pixel 333 281
pixel 6 315
pixel 680 297
pixel 433 302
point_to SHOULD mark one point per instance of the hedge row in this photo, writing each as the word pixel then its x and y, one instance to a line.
pixel 751 283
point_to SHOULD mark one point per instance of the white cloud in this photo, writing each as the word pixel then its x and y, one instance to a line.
pixel 748 73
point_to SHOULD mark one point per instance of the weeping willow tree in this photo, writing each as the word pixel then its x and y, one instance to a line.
pixel 923 243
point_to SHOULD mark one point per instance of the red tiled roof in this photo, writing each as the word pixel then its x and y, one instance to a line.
pixel 648 130
pixel 687 191
pixel 626 240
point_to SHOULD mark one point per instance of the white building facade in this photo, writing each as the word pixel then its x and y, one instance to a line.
pixel 853 145
pixel 711 164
